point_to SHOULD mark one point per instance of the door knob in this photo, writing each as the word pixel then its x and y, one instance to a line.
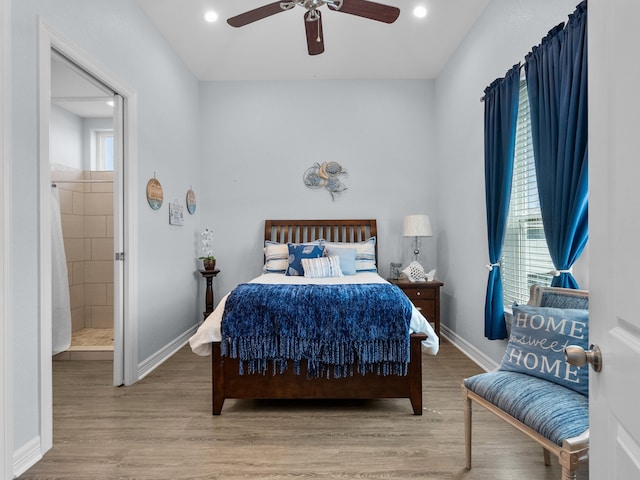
pixel 578 356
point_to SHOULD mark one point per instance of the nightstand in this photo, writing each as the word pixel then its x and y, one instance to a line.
pixel 425 296
pixel 209 275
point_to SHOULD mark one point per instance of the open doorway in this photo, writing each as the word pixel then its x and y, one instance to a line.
pixel 81 157
pixel 125 354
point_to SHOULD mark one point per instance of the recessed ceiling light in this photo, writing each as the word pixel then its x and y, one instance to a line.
pixel 420 11
pixel 211 16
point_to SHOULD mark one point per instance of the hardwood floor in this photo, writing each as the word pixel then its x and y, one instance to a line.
pixel 162 428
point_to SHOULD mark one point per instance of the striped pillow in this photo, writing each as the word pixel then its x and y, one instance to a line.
pixel 365 253
pixel 276 257
pixel 322 267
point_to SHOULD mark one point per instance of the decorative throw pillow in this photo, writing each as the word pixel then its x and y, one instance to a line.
pixel 321 267
pixel 299 251
pixel 347 258
pixel 276 257
pixel 537 341
pixel 365 253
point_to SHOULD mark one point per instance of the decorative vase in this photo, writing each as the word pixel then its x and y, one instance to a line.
pixel 209 263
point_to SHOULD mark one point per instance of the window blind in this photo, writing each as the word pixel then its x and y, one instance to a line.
pixel 525 256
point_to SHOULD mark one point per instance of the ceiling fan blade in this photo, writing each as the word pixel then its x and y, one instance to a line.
pixel 370 10
pixel 315 34
pixel 255 14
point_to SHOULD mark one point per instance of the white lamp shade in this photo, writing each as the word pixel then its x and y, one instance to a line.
pixel 416 226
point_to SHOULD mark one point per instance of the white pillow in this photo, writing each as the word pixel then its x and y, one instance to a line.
pixel 365 253
pixel 276 257
pixel 322 267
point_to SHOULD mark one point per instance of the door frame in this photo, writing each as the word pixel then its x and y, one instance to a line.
pixel 6 318
pixel 127 362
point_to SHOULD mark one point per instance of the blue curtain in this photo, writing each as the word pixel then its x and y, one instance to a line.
pixel 556 75
pixel 500 118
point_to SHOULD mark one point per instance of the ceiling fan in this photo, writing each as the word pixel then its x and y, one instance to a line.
pixel 313 17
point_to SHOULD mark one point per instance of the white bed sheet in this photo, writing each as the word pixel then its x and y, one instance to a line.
pixel 209 331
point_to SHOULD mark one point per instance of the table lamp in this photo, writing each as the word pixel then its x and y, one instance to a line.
pixel 416 226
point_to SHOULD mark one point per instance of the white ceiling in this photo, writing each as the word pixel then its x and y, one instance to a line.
pixel 275 48
pixel 76 91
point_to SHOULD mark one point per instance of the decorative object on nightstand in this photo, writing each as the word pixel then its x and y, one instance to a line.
pixel 208 275
pixel 425 296
pixel 394 270
pixel 208 260
pixel 415 273
pixel 416 226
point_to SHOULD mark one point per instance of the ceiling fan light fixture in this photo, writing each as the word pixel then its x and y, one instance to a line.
pixel 311 5
pixel 288 5
pixel 313 17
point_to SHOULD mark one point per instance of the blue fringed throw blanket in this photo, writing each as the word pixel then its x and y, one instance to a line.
pixel 332 327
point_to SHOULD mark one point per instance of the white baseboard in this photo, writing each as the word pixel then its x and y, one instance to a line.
pixel 26 456
pixel 154 361
pixel 469 350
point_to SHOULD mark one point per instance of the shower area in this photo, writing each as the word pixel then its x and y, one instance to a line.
pixel 82 221
pixel 86 219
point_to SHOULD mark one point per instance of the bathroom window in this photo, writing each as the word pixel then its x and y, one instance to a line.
pixel 103 150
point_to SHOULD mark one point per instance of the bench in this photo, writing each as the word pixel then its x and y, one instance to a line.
pixel 530 391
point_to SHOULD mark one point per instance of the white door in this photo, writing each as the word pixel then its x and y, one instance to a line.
pixel 614 224
pixel 118 240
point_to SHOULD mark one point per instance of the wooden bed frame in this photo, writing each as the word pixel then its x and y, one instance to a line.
pixel 228 383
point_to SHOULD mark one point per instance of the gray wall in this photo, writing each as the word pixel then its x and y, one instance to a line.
pixel 67 146
pixel 258 138
pixel 120 38
pixel 502 37
pixel 410 146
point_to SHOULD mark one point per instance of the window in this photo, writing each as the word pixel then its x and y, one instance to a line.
pixel 104 150
pixel 525 255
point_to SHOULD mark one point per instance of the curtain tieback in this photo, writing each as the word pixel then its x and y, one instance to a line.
pixel 556 273
pixel 490 266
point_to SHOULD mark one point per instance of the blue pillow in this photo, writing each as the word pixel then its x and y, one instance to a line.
pixel 347 258
pixel 537 341
pixel 299 251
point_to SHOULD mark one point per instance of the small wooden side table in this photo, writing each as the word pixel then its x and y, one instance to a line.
pixel 208 299
pixel 425 296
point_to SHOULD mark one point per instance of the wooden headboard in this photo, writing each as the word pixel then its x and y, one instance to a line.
pixel 298 231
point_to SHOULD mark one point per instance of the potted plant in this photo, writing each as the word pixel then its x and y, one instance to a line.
pixel 208 260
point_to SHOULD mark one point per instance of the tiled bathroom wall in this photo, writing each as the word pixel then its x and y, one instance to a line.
pixel 87 226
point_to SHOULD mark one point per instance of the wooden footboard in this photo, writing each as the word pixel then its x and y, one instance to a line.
pixel 228 383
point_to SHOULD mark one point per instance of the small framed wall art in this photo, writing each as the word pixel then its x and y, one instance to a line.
pixel 191 201
pixel 154 193
pixel 176 213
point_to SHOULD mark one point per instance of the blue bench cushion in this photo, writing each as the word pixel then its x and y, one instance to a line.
pixel 554 411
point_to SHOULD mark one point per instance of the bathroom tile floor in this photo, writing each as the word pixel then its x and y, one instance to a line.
pixel 89 344
pixel 92 337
